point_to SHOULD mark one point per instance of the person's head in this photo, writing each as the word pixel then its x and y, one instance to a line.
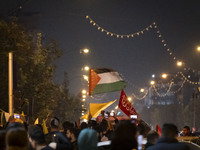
pixel 72 134
pixel 92 124
pixel 186 130
pixel 152 137
pixel 87 139
pixel 17 139
pixel 124 136
pixel 169 130
pixel 104 125
pixel 54 124
pixel 67 125
pixel 84 125
pixel 36 136
pixel 14 125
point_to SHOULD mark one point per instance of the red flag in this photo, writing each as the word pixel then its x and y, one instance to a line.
pixel 125 105
pixel 158 129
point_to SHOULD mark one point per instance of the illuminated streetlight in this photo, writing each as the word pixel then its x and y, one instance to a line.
pixel 86 68
pixel 84 91
pixel 153 76
pixel 84 96
pixel 164 75
pixel 85 51
pixel 179 63
pixel 198 48
pixel 152 82
pixel 83 99
pixel 85 77
pixel 141 90
pixel 129 98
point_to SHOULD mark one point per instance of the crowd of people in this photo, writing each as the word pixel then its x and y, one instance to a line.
pixel 96 134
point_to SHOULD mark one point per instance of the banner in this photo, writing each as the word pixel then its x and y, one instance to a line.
pixel 125 105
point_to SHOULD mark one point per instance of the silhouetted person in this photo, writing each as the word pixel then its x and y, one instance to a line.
pixel 168 139
pixel 2 139
pixel 17 139
pixel 124 136
pixel 152 138
pixel 55 138
pixel 186 131
pixel 72 135
pixel 37 138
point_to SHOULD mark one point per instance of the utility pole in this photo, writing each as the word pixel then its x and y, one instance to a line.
pixel 195 95
pixel 10 83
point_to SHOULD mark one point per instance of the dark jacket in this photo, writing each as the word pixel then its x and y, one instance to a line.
pixel 60 139
pixel 168 144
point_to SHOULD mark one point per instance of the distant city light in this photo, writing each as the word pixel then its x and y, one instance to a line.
pixel 164 75
pixel 141 90
pixel 86 68
pixel 84 120
pixel 129 98
pixel 85 77
pixel 152 82
pixel 84 91
pixel 179 63
pixel 198 48
pixel 153 76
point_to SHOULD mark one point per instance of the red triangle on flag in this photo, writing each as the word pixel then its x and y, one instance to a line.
pixel 159 130
pixel 93 80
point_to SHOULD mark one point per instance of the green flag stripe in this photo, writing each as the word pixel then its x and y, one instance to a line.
pixel 109 87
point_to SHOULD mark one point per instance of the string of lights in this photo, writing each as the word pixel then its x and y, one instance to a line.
pixel 189 81
pixel 135 88
pixel 170 51
pixel 140 98
pixel 174 92
pixel 131 35
pixel 163 95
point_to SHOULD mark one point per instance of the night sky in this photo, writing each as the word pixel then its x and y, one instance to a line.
pixel 135 58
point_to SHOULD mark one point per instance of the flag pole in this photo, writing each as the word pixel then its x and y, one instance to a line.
pixel 10 82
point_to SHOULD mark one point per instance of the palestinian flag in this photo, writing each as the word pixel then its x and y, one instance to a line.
pixel 102 80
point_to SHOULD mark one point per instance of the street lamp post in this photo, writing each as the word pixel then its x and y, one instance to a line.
pixel 10 82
